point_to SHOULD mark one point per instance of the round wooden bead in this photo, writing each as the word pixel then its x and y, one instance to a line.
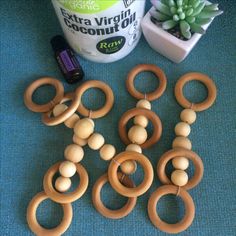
pixel 107 152
pixel 188 115
pixel 67 169
pixel 79 141
pixel 182 129
pixel 74 153
pixel 84 128
pixel 179 177
pixel 134 148
pixel 96 141
pixel 62 184
pixel 70 123
pixel 182 142
pixel 180 163
pixel 58 109
pixel 128 167
pixel 144 104
pixel 137 134
pixel 141 120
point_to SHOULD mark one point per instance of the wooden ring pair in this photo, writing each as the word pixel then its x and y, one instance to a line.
pixel 37 228
pixel 98 204
pixel 149 96
pixel 69 197
pixel 114 179
pixel 152 116
pixel 208 102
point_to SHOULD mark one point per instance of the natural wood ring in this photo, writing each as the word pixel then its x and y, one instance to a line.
pixel 70 196
pixel 181 152
pixel 37 228
pixel 35 85
pixel 141 68
pixel 103 210
pixel 113 176
pixel 109 99
pixel 56 120
pixel 152 116
pixel 189 209
pixel 211 87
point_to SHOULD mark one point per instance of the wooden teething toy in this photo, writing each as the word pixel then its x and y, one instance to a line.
pixel 180 156
pixel 84 134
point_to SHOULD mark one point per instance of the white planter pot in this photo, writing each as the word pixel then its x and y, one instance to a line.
pixel 165 43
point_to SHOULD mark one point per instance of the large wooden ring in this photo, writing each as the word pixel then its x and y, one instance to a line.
pixel 35 85
pixel 103 210
pixel 211 87
pixel 114 179
pixel 141 68
pixel 152 116
pixel 181 152
pixel 189 209
pixel 37 228
pixel 109 99
pixel 70 196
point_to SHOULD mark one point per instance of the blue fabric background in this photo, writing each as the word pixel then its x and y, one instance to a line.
pixel 29 148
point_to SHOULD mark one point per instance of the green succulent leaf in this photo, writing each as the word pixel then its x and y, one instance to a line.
pixel 189 12
pixel 169 24
pixel 190 19
pixel 182 16
pixel 211 7
pixel 173 10
pixel 186 34
pixel 197 28
pixel 209 14
pixel 179 3
pixel 184 26
pixel 198 9
pixel 158 15
pixel 196 3
pixel 171 3
pixel 202 21
pixel 192 2
pixel 161 7
pixel 176 17
pixel 185 2
pixel 165 2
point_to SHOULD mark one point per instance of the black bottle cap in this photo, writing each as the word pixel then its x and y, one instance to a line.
pixel 59 43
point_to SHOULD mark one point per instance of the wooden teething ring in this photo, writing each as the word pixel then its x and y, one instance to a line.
pixel 189 209
pixel 141 68
pixel 71 196
pixel 114 179
pixel 152 116
pixel 203 79
pixel 37 228
pixel 181 152
pixel 109 99
pixel 98 204
pixel 35 85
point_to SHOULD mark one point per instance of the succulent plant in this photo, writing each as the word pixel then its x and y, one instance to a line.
pixel 187 15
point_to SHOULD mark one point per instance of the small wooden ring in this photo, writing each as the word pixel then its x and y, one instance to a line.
pixel 211 87
pixel 70 196
pixel 152 116
pixel 103 210
pixel 109 99
pixel 189 209
pixel 113 176
pixel 35 85
pixel 181 152
pixel 37 228
pixel 148 96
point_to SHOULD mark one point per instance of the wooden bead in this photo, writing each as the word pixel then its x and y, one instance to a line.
pixel 70 123
pixel 62 184
pixel 182 129
pixel 144 104
pixel 182 142
pixel 134 148
pixel 137 134
pixel 96 141
pixel 79 141
pixel 84 128
pixel 179 177
pixel 74 153
pixel 141 120
pixel 188 115
pixel 67 169
pixel 58 109
pixel 107 152
pixel 180 163
pixel 128 167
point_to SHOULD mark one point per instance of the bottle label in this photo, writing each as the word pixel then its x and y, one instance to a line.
pixel 66 60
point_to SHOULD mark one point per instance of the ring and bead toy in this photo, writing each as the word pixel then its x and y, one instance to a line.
pixel 180 156
pixel 74 153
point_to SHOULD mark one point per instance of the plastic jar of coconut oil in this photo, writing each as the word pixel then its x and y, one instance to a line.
pixel 101 30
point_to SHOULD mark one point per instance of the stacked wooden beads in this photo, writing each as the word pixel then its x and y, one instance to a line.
pixel 180 156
